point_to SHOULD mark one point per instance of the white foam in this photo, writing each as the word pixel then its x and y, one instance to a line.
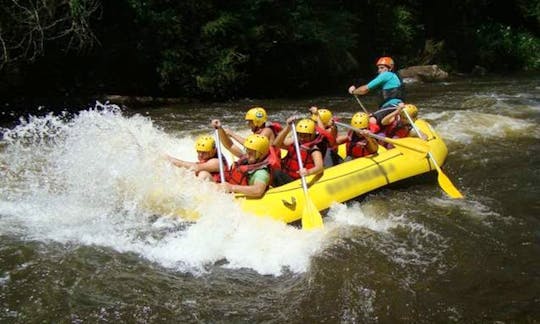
pixel 98 178
pixel 466 126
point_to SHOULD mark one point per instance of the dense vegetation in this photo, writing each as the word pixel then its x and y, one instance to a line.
pixel 224 49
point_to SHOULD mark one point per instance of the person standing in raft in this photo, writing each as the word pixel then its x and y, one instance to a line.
pixel 391 91
pixel 207 167
pixel 250 174
pixel 311 156
pixel 359 143
pixel 257 118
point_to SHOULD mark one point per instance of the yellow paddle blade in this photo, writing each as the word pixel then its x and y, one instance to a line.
pixel 311 218
pixel 447 185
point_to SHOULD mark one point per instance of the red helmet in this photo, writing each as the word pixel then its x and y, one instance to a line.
pixel 386 60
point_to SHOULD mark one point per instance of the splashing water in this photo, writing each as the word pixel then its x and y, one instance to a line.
pixel 465 126
pixel 99 178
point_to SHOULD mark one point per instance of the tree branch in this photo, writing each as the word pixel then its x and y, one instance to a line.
pixel 28 27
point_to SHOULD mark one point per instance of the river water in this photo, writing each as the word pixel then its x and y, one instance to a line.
pixel 86 234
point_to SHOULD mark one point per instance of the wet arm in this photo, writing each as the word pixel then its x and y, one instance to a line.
pixel 342 139
pixel 211 165
pixel 256 190
pixel 319 163
pixel 280 138
pixel 361 90
pixel 235 136
pixel 372 146
pixel 228 143
pixel 181 163
pixel 388 119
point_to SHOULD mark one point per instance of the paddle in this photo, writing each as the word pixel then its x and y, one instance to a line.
pixel 311 218
pixel 220 156
pixel 409 145
pixel 444 181
pixel 360 103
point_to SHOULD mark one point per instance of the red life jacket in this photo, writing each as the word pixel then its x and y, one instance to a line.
pixel 290 161
pixel 274 158
pixel 356 146
pixel 240 171
pixel 397 129
pixel 274 126
pixel 215 175
pixel 374 128
pixel 327 138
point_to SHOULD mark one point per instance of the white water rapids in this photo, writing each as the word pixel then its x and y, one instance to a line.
pixel 99 178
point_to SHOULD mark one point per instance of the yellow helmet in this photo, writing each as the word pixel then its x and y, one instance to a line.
pixel 411 110
pixel 325 115
pixel 258 143
pixel 305 126
pixel 360 120
pixel 205 143
pixel 257 115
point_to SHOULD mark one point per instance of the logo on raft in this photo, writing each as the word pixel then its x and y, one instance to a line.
pixel 356 178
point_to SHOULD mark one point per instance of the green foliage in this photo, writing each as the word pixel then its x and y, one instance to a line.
pixel 221 77
pixel 221 27
pixel 404 29
pixel 222 49
pixel 503 47
pixel 528 50
pixel 76 8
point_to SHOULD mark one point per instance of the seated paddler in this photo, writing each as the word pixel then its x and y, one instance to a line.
pixel 326 128
pixel 207 166
pixel 257 120
pixel 397 124
pixel 310 152
pixel 250 174
pixel 358 141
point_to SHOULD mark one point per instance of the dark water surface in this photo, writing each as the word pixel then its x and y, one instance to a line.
pixel 86 237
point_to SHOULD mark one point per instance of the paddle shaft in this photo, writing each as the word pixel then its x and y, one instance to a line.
pixel 299 158
pixel 360 103
pixel 423 149
pixel 422 137
pixel 220 156
pixel 444 181
pixel 311 218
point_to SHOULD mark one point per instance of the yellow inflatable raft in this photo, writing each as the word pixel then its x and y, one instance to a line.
pixel 348 180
